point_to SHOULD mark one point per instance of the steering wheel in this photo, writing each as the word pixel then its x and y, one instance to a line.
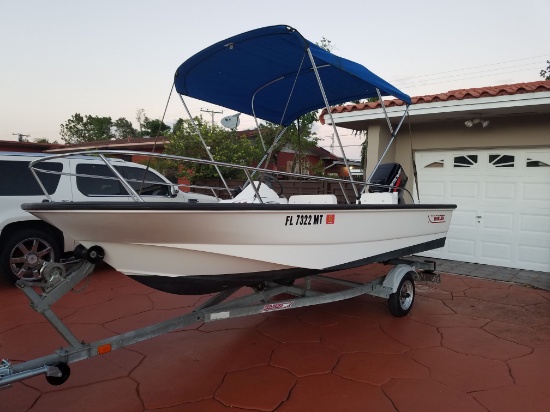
pixel 271 181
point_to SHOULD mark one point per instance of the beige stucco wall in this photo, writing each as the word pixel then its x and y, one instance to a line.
pixel 502 132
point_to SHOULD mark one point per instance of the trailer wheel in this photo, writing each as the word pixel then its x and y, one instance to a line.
pixel 400 302
pixel 65 373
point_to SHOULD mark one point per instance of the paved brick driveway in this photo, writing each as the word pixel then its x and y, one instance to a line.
pixel 468 345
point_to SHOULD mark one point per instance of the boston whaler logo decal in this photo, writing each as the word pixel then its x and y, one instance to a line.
pixel 436 218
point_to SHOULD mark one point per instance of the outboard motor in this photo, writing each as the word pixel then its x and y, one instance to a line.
pixel 390 174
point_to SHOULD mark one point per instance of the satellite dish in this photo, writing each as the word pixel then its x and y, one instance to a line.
pixel 231 122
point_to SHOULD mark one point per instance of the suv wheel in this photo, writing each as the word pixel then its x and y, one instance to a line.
pixel 24 253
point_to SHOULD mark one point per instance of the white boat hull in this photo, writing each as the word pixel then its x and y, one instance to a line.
pixel 233 244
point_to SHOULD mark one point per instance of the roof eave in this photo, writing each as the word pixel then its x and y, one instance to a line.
pixel 480 104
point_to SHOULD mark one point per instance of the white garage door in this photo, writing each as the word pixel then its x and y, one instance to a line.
pixel 503 199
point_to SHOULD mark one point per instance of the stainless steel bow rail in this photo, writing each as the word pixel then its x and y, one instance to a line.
pixel 397 287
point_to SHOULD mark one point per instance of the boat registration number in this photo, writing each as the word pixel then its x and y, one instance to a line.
pixel 306 220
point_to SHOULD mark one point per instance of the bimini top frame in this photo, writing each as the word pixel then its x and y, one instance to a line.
pixel 274 73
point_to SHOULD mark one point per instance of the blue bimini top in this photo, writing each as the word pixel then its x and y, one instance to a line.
pixel 267 73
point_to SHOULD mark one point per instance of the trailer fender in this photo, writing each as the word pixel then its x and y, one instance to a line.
pixel 395 275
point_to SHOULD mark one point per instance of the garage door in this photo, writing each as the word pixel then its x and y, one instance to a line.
pixel 503 199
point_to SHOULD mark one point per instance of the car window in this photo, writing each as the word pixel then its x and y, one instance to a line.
pixel 18 180
pixel 149 186
pixel 93 186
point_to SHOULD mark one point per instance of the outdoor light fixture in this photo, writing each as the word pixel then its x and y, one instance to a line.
pixel 470 123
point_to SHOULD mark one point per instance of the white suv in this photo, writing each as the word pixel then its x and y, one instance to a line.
pixel 27 242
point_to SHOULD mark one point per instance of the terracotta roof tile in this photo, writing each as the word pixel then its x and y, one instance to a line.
pixel 460 94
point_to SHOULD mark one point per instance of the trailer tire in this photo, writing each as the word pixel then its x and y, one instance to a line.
pixel 401 302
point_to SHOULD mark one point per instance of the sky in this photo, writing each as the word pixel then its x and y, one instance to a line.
pixel 114 57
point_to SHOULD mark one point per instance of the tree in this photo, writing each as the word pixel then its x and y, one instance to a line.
pixel 325 44
pixel 225 146
pixel 545 74
pixel 153 127
pixel 44 140
pixel 80 129
pixel 297 136
pixel 124 129
pixel 139 117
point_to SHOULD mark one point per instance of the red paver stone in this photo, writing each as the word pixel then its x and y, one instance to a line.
pixel 318 317
pixel 508 296
pixel 470 341
pixel 463 372
pixel 330 392
pixel 30 341
pixel 450 320
pixel 485 283
pixel 16 315
pixel 532 370
pixel 11 295
pixel 411 333
pixel 357 335
pixel 261 388
pixel 163 300
pixel 524 335
pixel 118 395
pixel 540 309
pixel 113 309
pixel 498 353
pixel 208 405
pixel 189 366
pixel 513 399
pixel 423 395
pixel 451 283
pixel 378 368
pixel 18 398
pixel 495 311
pixel 368 308
pixel 89 297
pixel 427 306
pixel 302 359
pixel 290 330
pixel 431 292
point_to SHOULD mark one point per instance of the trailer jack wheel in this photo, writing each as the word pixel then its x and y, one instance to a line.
pixel 59 374
pixel 400 302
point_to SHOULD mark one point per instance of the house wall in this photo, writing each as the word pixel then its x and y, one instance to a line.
pixel 503 132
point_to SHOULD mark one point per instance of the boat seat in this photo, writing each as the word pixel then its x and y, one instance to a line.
pixel 379 198
pixel 313 199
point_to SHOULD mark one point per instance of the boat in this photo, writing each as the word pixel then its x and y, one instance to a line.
pixel 258 235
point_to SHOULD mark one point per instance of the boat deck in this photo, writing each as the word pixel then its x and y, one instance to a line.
pixel 468 344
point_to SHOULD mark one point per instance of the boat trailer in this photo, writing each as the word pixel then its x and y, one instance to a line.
pixel 397 287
